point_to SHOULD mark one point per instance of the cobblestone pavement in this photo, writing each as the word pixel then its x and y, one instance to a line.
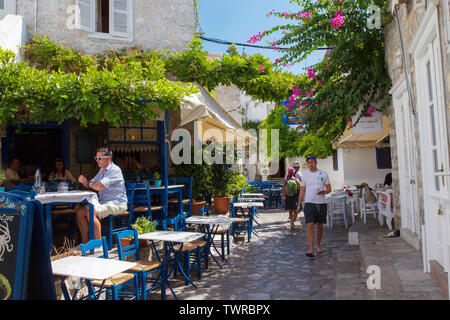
pixel 401 266
pixel 274 267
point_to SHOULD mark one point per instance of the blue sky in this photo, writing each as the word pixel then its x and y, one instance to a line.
pixel 239 20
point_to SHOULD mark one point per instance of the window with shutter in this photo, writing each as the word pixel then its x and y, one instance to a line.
pixel 105 19
pixel 120 17
pixel 86 15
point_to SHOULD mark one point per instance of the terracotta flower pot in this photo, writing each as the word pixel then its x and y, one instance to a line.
pixel 196 207
pixel 222 204
pixel 126 242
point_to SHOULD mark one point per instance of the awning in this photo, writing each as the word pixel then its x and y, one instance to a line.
pixel 367 140
pixel 212 119
pixel 133 147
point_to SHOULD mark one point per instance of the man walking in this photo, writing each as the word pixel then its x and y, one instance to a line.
pixel 112 194
pixel 314 186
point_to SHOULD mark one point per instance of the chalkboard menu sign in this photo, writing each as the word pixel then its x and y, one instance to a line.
pixel 9 228
pixel 16 218
pixel 84 147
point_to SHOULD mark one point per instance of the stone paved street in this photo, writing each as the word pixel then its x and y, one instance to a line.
pixel 274 266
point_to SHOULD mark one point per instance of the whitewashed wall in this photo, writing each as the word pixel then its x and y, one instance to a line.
pixel 354 167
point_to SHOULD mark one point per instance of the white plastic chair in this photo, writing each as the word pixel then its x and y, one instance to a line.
pixel 337 205
pixel 378 186
pixel 368 207
pixel 384 207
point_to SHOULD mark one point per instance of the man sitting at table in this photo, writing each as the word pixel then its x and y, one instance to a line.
pixel 12 175
pixel 112 194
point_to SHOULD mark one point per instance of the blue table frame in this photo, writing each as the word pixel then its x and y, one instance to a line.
pixel 48 218
pixel 170 189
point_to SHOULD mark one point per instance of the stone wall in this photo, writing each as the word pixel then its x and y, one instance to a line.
pixel 410 19
pixel 157 24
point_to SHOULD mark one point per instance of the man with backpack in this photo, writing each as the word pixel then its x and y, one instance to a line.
pixel 291 187
pixel 314 186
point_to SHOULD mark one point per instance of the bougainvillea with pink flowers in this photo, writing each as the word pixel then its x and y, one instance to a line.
pixel 352 72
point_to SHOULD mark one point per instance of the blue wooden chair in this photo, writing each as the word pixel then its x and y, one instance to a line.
pixel 140 201
pixel 187 192
pixel 224 235
pixel 24 187
pixel 122 285
pixel 199 247
pixel 143 268
pixel 242 223
pixel 19 192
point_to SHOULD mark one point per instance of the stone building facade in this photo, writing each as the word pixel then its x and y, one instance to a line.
pixel 93 26
pixel 152 24
pixel 417 47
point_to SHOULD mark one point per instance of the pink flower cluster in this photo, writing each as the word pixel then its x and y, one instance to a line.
pixel 256 38
pixel 371 110
pixel 303 15
pixel 338 21
pixel 311 73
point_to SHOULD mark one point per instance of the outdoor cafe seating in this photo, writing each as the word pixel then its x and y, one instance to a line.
pixel 120 285
pixel 143 268
pixel 144 278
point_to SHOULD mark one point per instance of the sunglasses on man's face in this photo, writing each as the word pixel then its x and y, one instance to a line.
pixel 100 158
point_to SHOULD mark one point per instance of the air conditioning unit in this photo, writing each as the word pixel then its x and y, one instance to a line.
pixel 264 170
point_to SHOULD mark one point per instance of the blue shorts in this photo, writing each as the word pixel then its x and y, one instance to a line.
pixel 315 212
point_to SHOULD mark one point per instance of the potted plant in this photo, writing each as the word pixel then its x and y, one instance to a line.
pixel 222 182
pixel 157 179
pixel 238 183
pixel 201 185
pixel 143 225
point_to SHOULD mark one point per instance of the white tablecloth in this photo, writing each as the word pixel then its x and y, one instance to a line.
pixel 69 196
pixel 89 268
pixel 171 236
pixel 220 220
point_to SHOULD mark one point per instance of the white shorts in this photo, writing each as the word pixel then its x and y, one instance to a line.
pixel 108 208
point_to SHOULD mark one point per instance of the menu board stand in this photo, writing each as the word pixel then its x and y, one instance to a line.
pixel 23 244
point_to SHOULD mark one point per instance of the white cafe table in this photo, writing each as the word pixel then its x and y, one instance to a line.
pixel 75 196
pixel 171 238
pixel 88 268
pixel 253 194
pixel 252 212
pixel 212 224
pixel 251 199
pixel 248 204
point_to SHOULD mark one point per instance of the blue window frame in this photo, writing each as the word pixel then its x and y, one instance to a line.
pixel 384 158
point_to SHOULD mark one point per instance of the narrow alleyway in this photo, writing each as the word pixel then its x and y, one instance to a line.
pixel 274 267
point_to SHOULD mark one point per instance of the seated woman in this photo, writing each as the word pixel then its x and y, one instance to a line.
pixel 60 173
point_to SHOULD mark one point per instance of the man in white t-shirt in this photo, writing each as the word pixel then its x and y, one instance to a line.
pixel 314 186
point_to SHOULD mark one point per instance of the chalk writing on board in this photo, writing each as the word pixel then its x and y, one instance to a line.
pixel 5 286
pixel 5 239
